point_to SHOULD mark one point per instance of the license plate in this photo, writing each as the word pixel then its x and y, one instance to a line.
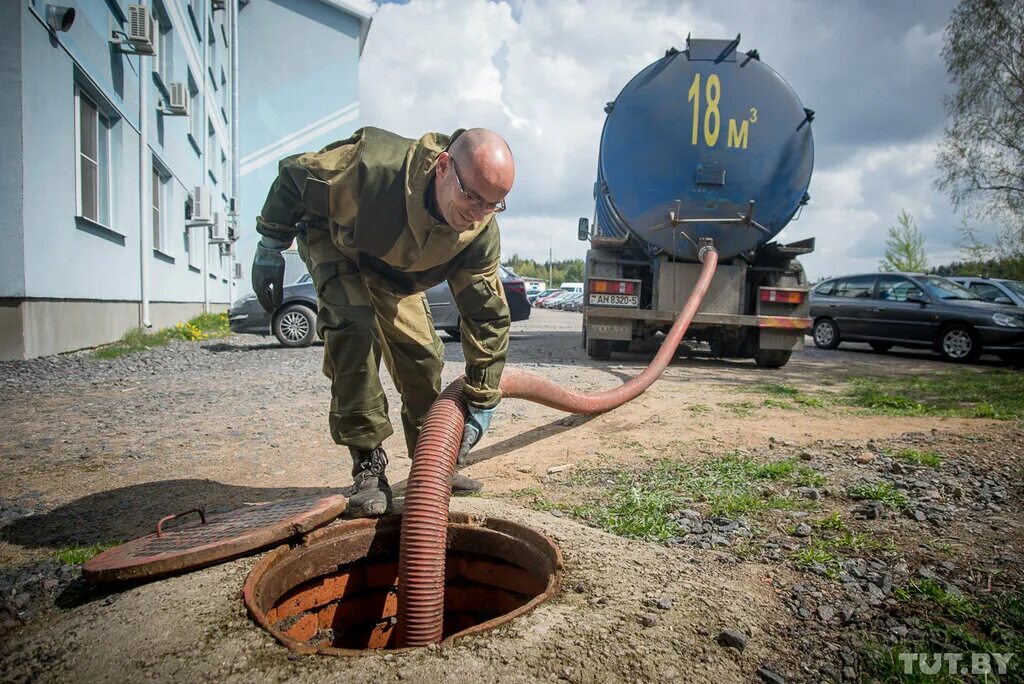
pixel 601 299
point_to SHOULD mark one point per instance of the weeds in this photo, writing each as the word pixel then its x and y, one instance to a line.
pixel 202 327
pixel 951 622
pixel 964 393
pixel 77 555
pixel 831 522
pixel 879 491
pixel 644 504
pixel 922 458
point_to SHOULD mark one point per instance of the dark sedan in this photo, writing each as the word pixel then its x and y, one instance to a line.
pixel 294 322
pixel 914 310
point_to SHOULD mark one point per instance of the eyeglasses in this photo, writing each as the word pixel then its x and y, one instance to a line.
pixel 476 202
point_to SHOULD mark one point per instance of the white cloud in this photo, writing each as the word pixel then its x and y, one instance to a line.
pixel 541 72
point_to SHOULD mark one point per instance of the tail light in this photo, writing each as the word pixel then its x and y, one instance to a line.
pixel 612 286
pixel 515 286
pixel 771 294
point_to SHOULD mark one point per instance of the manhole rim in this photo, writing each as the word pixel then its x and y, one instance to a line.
pixel 459 519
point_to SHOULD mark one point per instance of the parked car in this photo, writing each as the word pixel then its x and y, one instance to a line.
pixel 567 303
pixel 574 302
pixel 550 302
pixel 540 301
pixel 540 295
pixel 294 322
pixel 913 310
pixel 995 290
pixel 515 293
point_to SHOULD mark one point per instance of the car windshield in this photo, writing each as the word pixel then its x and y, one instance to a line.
pixel 1015 286
pixel 946 289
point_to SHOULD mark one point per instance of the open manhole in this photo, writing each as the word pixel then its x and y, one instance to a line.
pixel 337 593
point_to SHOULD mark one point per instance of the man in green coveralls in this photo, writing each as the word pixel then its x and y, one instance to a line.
pixel 380 219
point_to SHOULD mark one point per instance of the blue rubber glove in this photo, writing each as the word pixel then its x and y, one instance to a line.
pixel 268 272
pixel 476 425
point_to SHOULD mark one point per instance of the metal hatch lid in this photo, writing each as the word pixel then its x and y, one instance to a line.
pixel 214 539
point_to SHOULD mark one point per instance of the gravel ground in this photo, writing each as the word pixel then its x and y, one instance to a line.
pixel 94 451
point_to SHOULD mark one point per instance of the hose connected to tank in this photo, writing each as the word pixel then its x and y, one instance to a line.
pixel 425 519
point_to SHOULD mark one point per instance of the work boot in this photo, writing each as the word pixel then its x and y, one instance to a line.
pixel 370 493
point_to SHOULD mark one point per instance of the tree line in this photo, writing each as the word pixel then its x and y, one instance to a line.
pixel 565 271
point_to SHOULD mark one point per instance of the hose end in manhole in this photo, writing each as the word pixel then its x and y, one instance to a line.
pixel 337 592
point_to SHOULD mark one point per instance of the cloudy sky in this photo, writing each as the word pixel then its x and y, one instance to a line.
pixel 540 72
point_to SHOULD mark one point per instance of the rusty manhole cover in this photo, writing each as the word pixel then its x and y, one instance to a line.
pixel 211 539
pixel 337 592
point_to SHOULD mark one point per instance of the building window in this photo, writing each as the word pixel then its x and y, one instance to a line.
pixel 195 133
pixel 93 142
pixel 211 145
pixel 211 54
pixel 160 195
pixel 165 46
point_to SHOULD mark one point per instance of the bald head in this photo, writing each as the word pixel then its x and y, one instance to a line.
pixel 483 167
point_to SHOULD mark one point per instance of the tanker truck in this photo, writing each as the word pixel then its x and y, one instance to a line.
pixel 705 148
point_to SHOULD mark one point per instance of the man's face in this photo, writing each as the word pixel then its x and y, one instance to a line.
pixel 468 195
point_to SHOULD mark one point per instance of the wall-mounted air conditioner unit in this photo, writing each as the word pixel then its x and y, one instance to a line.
pixel 141 36
pixel 202 206
pixel 218 5
pixel 219 228
pixel 178 104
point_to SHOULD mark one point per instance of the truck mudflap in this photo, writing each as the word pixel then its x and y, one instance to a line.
pixel 614 317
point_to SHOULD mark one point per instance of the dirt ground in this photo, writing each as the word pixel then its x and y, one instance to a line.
pixel 92 452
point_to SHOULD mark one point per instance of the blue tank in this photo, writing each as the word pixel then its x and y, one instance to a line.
pixel 691 142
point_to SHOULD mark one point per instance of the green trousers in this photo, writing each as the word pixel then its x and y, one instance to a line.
pixel 362 321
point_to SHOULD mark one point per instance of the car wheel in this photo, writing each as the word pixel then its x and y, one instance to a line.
pixel 880 347
pixel 959 343
pixel 295 326
pixel 454 333
pixel 772 358
pixel 599 349
pixel 826 334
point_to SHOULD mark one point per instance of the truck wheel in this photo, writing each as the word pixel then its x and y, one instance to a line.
pixel 772 358
pixel 599 349
pixel 826 334
pixel 295 326
pixel 959 343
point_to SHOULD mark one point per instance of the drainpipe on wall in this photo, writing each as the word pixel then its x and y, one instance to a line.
pixel 206 165
pixel 145 228
pixel 235 179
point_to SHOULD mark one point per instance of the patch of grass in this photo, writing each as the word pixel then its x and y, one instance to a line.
pixel 831 522
pixel 775 390
pixel 815 556
pixel 964 393
pixel 202 327
pixel 740 408
pixel 938 545
pixel 776 403
pixel 922 458
pixel 881 491
pixel 643 503
pixel 77 555
pixel 950 622
pixel 781 395
pixel 699 409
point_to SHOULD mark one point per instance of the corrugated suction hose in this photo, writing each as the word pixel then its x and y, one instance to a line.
pixel 425 519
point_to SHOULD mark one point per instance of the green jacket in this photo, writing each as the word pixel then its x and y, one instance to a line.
pixel 371 188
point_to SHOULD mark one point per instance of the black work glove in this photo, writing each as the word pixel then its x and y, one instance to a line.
pixel 268 272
